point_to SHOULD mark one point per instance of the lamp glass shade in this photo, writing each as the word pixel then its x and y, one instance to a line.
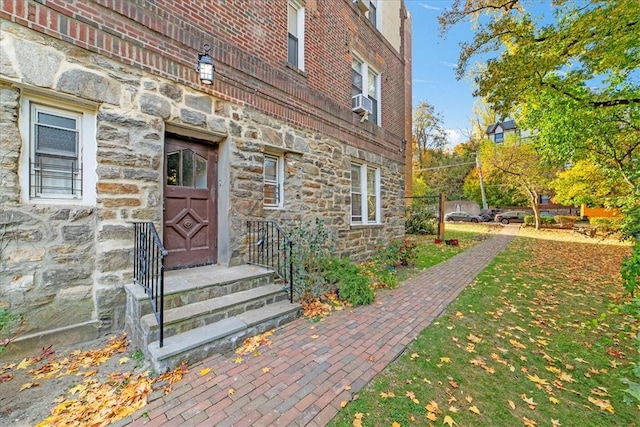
pixel 206 69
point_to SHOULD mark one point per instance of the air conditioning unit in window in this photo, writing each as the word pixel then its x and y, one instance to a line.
pixel 363 5
pixel 361 104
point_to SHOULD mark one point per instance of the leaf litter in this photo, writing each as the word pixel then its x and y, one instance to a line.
pixel 94 383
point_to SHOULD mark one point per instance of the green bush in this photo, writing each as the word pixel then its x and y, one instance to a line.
pixel 544 220
pixel 422 218
pixel 353 284
pixel 9 322
pixel 400 253
pixel 566 220
pixel 310 254
pixel 606 225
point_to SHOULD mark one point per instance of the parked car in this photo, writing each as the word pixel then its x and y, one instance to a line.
pixel 511 216
pixel 462 216
pixel 489 214
pixel 546 215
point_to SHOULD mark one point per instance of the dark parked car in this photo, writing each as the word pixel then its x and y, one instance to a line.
pixel 511 216
pixel 462 216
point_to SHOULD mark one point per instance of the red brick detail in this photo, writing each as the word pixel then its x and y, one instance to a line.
pixel 249 47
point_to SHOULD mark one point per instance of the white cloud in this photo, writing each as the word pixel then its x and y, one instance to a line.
pixel 449 64
pixel 454 136
pixel 428 6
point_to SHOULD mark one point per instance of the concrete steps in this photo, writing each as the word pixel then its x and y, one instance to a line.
pixel 208 310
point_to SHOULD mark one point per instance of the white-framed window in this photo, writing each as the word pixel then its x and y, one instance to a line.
pixel 59 146
pixel 365 194
pixel 373 12
pixel 295 24
pixel 273 175
pixel 366 80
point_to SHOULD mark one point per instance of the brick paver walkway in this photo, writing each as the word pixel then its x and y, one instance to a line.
pixel 308 377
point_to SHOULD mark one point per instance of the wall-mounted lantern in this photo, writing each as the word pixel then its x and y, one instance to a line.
pixel 205 66
pixel 403 145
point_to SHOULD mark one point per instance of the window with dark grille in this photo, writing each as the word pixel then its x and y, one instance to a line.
pixel 56 168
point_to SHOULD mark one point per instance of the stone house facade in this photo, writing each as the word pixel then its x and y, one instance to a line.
pixel 102 111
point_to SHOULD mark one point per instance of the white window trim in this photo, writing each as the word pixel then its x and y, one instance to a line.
pixel 279 178
pixel 364 205
pixel 300 13
pixel 365 86
pixel 87 155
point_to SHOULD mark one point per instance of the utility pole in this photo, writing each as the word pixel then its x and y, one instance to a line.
pixel 484 195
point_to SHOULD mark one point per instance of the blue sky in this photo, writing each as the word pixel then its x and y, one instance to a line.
pixel 435 59
pixel 434 67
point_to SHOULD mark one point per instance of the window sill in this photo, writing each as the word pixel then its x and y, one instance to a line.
pixel 360 226
pixel 296 69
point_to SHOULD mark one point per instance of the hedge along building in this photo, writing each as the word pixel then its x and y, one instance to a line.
pixel 102 111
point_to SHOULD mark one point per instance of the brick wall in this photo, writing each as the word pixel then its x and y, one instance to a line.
pixel 249 49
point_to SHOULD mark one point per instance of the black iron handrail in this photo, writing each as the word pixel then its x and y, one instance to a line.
pixel 270 247
pixel 148 268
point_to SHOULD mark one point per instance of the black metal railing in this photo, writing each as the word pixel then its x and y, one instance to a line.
pixel 148 268
pixel 270 247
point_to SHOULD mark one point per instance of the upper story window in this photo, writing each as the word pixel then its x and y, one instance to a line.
pixel 60 148
pixel 499 137
pixel 373 12
pixel 366 81
pixel 273 176
pixel 365 194
pixel 295 24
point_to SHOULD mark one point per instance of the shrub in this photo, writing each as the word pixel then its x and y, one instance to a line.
pixel 422 219
pixel 566 221
pixel 606 225
pixel 9 322
pixel 310 254
pixel 544 220
pixel 353 285
pixel 400 252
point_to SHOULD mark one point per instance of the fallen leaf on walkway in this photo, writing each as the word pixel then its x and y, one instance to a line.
pixel 123 360
pixel 265 370
pixel 344 403
pixel 238 360
pixel 347 387
pixel 204 371
pixel 230 391
pixel 28 385
pixel 314 336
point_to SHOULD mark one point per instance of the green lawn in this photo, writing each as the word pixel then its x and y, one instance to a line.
pixel 535 341
pixel 468 235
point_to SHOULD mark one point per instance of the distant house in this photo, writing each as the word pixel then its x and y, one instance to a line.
pixel 497 132
pixel 105 121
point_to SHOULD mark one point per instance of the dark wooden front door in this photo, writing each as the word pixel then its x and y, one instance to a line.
pixel 190 209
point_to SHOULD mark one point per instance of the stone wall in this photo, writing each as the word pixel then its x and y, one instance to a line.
pixel 64 266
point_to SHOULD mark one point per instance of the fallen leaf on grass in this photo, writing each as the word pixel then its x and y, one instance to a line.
pixel 431 416
pixel 344 403
pixel 554 400
pixel 449 421
pixel 603 404
pixel 526 422
pixel 445 360
pixel 474 409
pixel 536 379
pixel 511 404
